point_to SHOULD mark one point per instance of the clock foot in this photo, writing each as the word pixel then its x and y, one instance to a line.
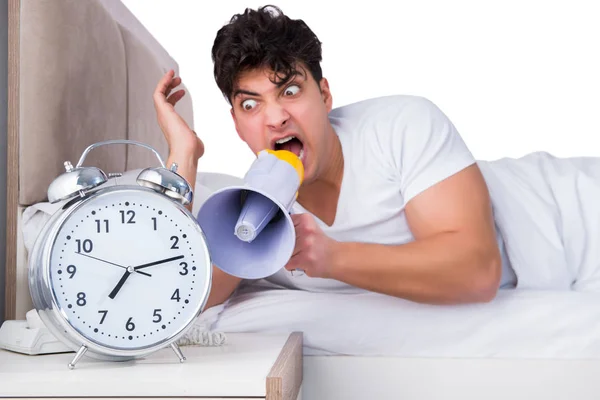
pixel 177 351
pixel 78 356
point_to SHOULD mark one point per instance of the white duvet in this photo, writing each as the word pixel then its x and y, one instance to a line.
pixel 548 212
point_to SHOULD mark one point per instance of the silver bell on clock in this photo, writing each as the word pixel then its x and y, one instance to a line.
pixel 121 270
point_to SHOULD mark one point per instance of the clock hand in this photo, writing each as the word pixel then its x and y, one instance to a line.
pixel 108 262
pixel 130 270
pixel 158 262
pixel 99 259
pixel 119 284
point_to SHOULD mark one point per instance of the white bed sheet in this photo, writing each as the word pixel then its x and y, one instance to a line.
pixel 519 323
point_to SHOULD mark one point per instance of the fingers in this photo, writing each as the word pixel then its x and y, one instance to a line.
pixel 163 83
pixel 297 248
pixel 295 257
pixel 303 230
pixel 175 97
pixel 164 87
pixel 303 222
pixel 294 262
pixel 172 85
pixel 296 219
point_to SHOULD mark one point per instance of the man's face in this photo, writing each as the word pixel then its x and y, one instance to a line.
pixel 290 116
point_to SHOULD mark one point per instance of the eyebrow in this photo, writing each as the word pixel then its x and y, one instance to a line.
pixel 292 77
pixel 242 91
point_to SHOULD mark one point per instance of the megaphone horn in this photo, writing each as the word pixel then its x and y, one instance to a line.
pixel 248 228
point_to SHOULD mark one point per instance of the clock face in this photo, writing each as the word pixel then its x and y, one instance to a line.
pixel 129 269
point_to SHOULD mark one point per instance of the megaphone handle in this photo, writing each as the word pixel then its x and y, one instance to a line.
pixel 290 212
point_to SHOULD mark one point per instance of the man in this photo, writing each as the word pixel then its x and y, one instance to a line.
pixel 392 200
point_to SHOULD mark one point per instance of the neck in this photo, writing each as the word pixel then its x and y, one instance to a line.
pixel 329 179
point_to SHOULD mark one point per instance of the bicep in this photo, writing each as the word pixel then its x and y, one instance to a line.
pixel 459 203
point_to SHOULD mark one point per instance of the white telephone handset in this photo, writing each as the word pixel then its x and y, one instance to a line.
pixel 30 336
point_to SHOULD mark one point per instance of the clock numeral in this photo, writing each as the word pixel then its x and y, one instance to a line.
pixel 103 312
pixel 87 246
pixel 157 314
pixel 71 269
pixel 81 301
pixel 154 222
pixel 185 268
pixel 130 325
pixel 99 225
pixel 175 295
pixel 175 240
pixel 130 214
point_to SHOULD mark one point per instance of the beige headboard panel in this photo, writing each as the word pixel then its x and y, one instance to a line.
pixel 80 72
pixel 84 78
pixel 73 90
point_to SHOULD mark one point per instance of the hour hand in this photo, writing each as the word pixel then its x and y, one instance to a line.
pixel 119 284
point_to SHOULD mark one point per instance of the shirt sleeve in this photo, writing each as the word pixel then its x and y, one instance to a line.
pixel 426 147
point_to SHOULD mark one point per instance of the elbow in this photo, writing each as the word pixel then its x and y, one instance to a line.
pixel 487 279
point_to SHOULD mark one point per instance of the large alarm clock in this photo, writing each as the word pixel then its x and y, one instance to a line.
pixel 121 270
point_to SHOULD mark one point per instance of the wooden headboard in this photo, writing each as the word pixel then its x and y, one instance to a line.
pixel 79 72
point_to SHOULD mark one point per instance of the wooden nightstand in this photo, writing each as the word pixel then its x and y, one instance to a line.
pixel 263 366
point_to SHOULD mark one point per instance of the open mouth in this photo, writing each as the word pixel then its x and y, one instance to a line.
pixel 290 143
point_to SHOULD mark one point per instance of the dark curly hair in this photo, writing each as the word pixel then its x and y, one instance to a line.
pixel 264 38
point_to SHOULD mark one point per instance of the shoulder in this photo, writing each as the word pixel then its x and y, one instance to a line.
pixel 380 108
pixel 390 117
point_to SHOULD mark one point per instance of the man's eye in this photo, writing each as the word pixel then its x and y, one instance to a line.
pixel 248 104
pixel 292 90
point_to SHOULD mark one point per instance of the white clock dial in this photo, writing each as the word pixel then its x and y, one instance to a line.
pixel 129 269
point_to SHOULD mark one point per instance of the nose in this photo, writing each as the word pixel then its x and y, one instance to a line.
pixel 276 116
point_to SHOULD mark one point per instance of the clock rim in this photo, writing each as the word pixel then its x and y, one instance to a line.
pixel 55 317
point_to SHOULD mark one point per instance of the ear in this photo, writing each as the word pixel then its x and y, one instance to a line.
pixel 326 94
pixel 235 123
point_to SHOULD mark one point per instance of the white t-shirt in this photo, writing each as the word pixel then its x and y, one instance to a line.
pixel 394 148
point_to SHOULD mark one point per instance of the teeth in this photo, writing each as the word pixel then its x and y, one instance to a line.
pixel 286 139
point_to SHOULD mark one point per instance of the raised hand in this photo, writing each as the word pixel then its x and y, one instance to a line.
pixel 180 138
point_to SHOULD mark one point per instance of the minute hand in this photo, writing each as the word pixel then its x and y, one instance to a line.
pixel 158 262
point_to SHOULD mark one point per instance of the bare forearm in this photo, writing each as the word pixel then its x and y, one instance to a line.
pixel 443 269
pixel 187 166
pixel 223 286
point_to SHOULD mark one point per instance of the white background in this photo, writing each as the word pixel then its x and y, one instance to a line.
pixel 513 76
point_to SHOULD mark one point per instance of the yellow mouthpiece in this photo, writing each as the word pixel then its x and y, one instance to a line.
pixel 292 159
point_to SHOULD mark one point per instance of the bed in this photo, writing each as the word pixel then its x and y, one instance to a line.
pixel 529 343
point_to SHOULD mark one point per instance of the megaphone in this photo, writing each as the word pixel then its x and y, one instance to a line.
pixel 248 228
